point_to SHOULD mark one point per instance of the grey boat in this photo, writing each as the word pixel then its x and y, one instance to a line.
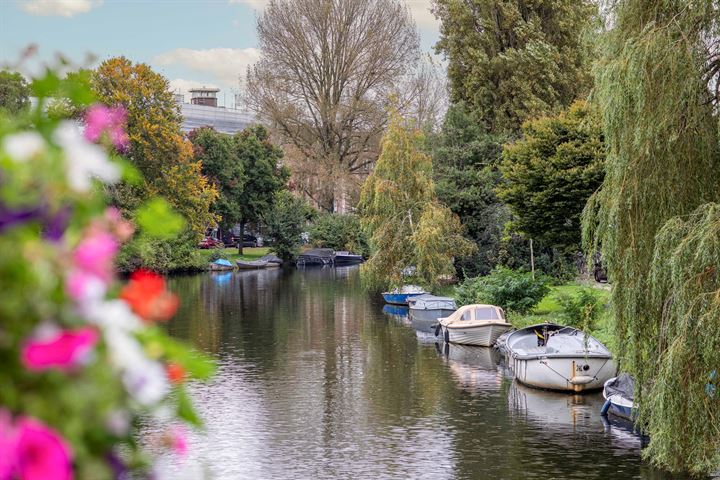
pixel 430 307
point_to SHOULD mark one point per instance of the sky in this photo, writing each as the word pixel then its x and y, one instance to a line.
pixel 192 42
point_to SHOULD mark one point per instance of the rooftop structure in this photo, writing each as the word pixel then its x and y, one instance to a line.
pixel 204 96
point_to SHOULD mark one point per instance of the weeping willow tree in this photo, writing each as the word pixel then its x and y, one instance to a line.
pixel 656 222
pixel 408 227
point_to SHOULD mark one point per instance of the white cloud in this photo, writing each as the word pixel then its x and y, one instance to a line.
pixel 420 10
pixel 62 8
pixel 224 64
pixel 180 85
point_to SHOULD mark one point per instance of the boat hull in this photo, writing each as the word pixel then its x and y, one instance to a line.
pixel 251 265
pixel 399 298
pixel 481 335
pixel 568 374
pixel 430 314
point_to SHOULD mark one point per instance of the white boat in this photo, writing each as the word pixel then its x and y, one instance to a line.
pixel 555 357
pixel 430 307
pixel 478 325
pixel 619 393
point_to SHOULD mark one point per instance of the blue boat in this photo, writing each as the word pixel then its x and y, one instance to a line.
pixel 221 264
pixel 400 297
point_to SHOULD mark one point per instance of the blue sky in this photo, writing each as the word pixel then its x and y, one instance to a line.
pixel 191 42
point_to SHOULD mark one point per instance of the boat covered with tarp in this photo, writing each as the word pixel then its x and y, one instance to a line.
pixel 619 393
pixel 221 264
pixel 272 259
pixel 251 264
pixel 431 307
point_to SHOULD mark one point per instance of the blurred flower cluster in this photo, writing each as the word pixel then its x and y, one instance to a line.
pixel 83 360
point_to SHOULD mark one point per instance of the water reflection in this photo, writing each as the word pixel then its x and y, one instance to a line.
pixel 315 381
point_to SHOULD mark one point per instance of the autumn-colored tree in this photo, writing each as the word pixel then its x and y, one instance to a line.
pixel 407 225
pixel 157 147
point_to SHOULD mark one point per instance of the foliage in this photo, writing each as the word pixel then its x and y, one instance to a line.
pixel 550 173
pixel 83 363
pixel 176 254
pixel 222 165
pixel 406 224
pixel 285 223
pixel 339 232
pixel 580 310
pixel 513 290
pixel 662 164
pixel 157 147
pixel 465 160
pixel 513 60
pixel 14 92
pixel 324 80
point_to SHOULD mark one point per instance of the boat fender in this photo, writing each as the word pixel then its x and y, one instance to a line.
pixel 581 379
pixel 605 408
pixel 447 335
pixel 437 329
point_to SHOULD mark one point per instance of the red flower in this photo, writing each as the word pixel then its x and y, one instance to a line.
pixel 175 372
pixel 147 296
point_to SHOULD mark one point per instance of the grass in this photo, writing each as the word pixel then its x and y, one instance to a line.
pixel 231 254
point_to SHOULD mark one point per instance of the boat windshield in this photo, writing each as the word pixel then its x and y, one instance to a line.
pixel 486 313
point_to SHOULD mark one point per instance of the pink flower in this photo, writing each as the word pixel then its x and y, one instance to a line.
pixel 41 453
pixel 95 254
pixel 30 450
pixel 178 440
pixel 84 287
pixel 100 119
pixel 63 350
pixel 8 445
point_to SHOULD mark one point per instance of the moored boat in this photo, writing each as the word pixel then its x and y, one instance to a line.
pixel 251 264
pixel 430 307
pixel 347 258
pixel 273 260
pixel 478 325
pixel 316 256
pixel 401 296
pixel 619 393
pixel 555 357
pixel 220 265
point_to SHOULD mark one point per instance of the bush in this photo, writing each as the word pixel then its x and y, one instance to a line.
pixel 159 255
pixel 285 222
pixel 581 310
pixel 512 290
pixel 339 232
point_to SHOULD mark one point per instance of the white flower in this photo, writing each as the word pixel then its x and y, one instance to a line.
pixel 111 315
pixel 24 146
pixel 83 160
pixel 147 383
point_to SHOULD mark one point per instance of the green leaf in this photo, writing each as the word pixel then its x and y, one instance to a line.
pixel 45 86
pixel 185 409
pixel 156 218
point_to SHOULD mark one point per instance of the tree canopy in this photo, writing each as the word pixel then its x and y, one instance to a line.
pixel 157 146
pixel 550 173
pixel 14 92
pixel 408 227
pixel 656 219
pixel 327 71
pixel 513 60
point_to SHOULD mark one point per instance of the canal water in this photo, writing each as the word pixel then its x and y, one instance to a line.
pixel 316 381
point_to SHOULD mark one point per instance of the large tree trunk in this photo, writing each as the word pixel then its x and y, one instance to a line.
pixel 242 235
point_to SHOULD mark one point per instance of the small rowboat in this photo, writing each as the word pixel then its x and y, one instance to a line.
pixel 251 264
pixel 430 307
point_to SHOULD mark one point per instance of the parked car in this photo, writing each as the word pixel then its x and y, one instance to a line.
pixel 250 241
pixel 209 242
